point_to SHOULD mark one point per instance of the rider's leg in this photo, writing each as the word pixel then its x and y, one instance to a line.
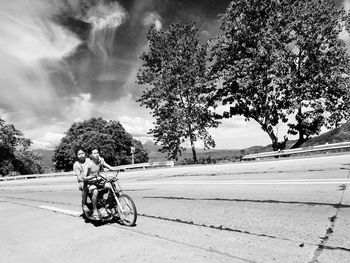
pixel 84 193
pixel 94 202
pixel 108 187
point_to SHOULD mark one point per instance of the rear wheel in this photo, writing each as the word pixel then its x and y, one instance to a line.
pixel 127 212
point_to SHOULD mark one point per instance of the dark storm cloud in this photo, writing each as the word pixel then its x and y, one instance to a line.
pixel 129 41
pixel 68 60
pixel 63 61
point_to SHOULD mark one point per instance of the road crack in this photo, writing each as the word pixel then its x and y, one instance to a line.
pixel 322 245
pixel 221 228
pixel 337 205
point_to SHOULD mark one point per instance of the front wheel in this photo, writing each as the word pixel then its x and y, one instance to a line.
pixel 127 212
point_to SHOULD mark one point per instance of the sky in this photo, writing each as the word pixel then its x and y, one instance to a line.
pixel 63 61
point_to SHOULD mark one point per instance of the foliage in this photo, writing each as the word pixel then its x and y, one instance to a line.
pixel 109 136
pixel 248 63
pixel 278 58
pixel 15 157
pixel 208 159
pixel 174 72
pixel 319 67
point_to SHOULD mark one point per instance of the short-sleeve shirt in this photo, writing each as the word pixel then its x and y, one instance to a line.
pixel 81 167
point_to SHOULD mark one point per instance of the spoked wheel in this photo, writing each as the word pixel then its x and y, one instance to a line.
pixel 128 214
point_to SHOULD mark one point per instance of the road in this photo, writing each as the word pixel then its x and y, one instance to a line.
pixel 285 210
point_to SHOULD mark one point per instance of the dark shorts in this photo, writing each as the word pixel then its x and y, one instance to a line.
pixel 97 184
pixel 91 186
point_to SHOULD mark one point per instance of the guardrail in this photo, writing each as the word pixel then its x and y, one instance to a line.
pixel 121 167
pixel 167 163
pixel 30 176
pixel 317 148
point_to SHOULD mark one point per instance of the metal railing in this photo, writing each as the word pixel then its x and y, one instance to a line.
pixel 317 148
pixel 30 176
pixel 121 167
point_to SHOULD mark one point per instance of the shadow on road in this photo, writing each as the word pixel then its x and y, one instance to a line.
pixel 102 222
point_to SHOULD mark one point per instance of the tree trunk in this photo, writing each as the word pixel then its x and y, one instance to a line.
pixel 274 139
pixel 194 152
pixel 192 145
pixel 301 138
pixel 269 130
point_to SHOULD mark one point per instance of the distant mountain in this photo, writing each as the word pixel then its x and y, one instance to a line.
pixel 341 134
pixel 46 161
pixel 155 155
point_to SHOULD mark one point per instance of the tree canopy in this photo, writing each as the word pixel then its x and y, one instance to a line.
pixel 15 156
pixel 278 58
pixel 319 67
pixel 109 136
pixel 248 63
pixel 174 73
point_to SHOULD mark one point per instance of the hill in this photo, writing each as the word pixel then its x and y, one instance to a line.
pixel 205 155
pixel 340 134
pixel 46 159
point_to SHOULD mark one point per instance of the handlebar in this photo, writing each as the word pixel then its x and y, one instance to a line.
pixel 104 178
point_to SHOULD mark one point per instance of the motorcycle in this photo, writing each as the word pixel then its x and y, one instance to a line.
pixel 112 203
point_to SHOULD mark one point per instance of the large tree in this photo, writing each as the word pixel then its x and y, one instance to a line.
pixel 319 67
pixel 173 71
pixel 248 63
pixel 15 156
pixel 109 136
pixel 278 58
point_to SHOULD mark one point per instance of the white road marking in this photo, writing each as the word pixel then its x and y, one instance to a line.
pixel 244 182
pixel 59 210
pixel 196 182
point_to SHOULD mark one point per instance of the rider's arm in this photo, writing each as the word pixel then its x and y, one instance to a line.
pixel 112 168
pixel 78 173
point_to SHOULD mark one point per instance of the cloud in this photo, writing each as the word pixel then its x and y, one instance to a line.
pixel 32 49
pixel 347 4
pixel 4 115
pixel 50 78
pixel 79 107
pixel 205 33
pixel 104 18
pixel 153 19
pixel 137 126
pixel 48 141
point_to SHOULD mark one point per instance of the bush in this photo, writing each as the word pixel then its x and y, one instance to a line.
pixel 109 136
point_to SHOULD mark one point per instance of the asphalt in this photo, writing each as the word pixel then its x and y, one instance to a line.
pixel 276 211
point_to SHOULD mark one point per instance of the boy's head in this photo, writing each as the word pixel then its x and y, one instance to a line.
pixel 80 153
pixel 94 153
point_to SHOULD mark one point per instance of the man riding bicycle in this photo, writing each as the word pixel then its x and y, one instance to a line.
pixel 91 177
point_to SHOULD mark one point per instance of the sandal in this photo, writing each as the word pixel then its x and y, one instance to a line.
pixel 95 216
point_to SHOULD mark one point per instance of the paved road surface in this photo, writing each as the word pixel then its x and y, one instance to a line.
pixel 294 210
